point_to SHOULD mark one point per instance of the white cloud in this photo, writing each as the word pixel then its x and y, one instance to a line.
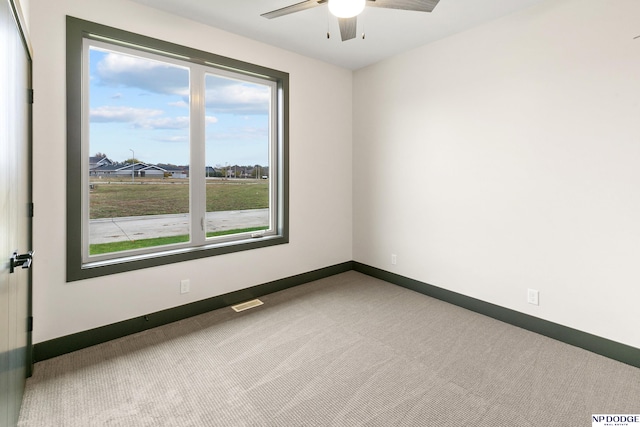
pixel 179 104
pixel 247 133
pixel 179 138
pixel 109 114
pixel 223 95
pixel 120 63
pixel 228 96
pixel 140 118
pixel 170 122
pixel 164 123
pixel 119 70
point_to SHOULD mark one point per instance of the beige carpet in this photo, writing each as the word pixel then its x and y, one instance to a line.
pixel 349 350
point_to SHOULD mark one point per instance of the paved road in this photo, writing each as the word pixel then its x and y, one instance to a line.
pixel 147 227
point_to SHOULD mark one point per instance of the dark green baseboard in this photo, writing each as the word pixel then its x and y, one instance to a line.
pixel 602 346
pixel 67 344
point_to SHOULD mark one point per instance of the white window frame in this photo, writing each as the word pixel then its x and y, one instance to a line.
pixel 82 35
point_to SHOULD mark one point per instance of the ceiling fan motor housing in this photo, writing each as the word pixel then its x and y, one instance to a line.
pixel 346 8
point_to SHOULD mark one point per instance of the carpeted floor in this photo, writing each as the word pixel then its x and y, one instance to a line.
pixel 348 350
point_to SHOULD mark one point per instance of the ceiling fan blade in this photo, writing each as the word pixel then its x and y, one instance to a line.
pixel 293 8
pixel 415 5
pixel 348 27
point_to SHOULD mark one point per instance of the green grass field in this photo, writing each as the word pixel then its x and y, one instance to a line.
pixel 159 197
pixel 104 248
pixel 149 196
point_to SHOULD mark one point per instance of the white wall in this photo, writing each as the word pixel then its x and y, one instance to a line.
pixel 507 157
pixel 320 202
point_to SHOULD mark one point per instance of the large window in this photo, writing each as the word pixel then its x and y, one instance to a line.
pixel 173 153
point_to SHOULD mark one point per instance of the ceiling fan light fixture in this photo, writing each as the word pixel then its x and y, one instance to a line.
pixel 346 8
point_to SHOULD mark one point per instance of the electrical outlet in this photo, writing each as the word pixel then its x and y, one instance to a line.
pixel 185 286
pixel 533 297
pixel 394 259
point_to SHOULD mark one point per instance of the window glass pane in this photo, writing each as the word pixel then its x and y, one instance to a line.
pixel 238 178
pixel 138 152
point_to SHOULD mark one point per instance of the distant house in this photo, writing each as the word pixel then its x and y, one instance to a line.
pixel 134 170
pixel 175 171
pixel 151 171
pixel 179 172
pixel 103 169
pixel 102 166
pixel 98 162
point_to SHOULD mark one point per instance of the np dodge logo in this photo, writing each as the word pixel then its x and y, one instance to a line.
pixel 618 420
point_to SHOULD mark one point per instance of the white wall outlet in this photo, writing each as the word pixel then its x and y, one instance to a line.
pixel 185 286
pixel 533 297
pixel 394 259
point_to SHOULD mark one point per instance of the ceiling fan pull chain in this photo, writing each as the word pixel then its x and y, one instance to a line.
pixel 363 21
pixel 328 20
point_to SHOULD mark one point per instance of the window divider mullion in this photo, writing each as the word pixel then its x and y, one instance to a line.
pixel 197 182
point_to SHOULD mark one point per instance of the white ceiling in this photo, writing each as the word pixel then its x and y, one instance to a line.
pixel 388 31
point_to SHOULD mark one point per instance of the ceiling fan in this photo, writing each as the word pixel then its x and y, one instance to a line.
pixel 347 11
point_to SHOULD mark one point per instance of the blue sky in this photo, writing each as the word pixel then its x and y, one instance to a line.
pixel 140 104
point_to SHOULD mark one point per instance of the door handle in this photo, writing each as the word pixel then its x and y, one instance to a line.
pixel 23 260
